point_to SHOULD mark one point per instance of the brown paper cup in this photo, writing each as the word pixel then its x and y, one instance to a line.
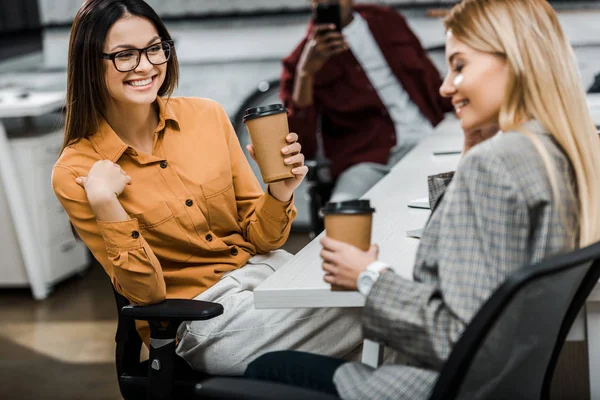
pixel 348 225
pixel 351 229
pixel 268 133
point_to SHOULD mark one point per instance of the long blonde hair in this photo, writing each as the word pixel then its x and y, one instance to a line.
pixel 544 84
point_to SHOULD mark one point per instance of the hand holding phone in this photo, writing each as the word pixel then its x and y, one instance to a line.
pixel 328 13
pixel 325 40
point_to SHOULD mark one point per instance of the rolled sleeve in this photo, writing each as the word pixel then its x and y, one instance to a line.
pixel 121 236
pixel 272 223
pixel 283 211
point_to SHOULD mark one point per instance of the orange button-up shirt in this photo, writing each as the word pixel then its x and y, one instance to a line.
pixel 196 208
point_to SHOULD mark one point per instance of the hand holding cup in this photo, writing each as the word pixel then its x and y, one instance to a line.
pixel 347 249
pixel 275 150
pixel 282 190
pixel 343 263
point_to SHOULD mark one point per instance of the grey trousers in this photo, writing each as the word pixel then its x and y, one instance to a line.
pixel 225 345
pixel 358 179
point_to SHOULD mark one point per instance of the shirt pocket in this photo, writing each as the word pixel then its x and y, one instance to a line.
pixel 221 205
pixel 167 239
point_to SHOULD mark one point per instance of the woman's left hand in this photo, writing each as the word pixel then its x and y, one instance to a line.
pixel 343 262
pixel 283 190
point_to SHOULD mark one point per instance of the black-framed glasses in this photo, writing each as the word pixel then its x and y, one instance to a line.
pixel 128 60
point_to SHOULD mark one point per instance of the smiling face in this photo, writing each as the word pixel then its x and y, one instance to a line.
pixel 140 86
pixel 476 83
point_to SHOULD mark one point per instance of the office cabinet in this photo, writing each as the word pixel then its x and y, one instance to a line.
pixel 34 144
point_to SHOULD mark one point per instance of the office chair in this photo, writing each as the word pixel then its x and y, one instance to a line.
pixel 165 375
pixel 509 349
pixel 595 87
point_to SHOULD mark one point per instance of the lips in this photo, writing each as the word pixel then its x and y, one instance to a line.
pixel 458 106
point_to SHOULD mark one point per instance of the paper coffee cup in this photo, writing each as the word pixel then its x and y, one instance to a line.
pixel 349 222
pixel 268 127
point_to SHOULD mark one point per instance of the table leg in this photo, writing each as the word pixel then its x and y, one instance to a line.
pixel 592 311
pixel 372 353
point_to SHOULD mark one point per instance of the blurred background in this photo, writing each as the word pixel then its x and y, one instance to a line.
pixel 56 306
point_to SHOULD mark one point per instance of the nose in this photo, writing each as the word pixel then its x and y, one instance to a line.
pixel 145 64
pixel 447 89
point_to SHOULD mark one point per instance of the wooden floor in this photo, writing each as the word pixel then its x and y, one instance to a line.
pixel 63 347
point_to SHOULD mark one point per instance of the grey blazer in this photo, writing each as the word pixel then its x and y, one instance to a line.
pixel 497 214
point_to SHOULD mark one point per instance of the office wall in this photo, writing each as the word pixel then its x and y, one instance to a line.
pixel 20 28
pixel 18 16
pixel 63 11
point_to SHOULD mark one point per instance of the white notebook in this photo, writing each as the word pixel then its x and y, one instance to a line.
pixel 420 203
pixel 415 233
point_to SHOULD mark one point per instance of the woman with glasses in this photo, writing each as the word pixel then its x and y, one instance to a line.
pixel 159 190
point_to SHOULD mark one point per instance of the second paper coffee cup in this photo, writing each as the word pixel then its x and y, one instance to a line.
pixel 349 222
pixel 268 127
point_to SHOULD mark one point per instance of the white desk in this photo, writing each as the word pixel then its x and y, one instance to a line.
pixel 300 282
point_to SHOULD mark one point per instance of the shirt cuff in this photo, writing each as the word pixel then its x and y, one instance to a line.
pixel 122 235
pixel 388 292
pixel 277 209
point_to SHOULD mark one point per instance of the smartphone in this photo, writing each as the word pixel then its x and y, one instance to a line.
pixel 329 13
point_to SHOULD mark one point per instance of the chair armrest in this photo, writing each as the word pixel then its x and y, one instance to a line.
pixel 174 310
pixel 250 389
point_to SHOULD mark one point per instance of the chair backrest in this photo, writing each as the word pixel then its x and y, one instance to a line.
pixel 511 346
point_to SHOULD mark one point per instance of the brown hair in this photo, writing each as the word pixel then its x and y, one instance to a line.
pixel 86 88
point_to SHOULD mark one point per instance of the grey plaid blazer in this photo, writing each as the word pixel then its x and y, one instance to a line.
pixel 497 214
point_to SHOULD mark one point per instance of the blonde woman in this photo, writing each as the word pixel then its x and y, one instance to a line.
pixel 517 197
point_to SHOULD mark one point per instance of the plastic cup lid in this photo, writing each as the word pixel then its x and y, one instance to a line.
pixel 257 112
pixel 348 207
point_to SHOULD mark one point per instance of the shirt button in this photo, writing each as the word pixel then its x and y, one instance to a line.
pixel 163 164
pixel 209 237
pixel 135 234
pixel 189 202
pixel 234 252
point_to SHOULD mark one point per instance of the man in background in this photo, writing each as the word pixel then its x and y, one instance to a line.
pixel 371 90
